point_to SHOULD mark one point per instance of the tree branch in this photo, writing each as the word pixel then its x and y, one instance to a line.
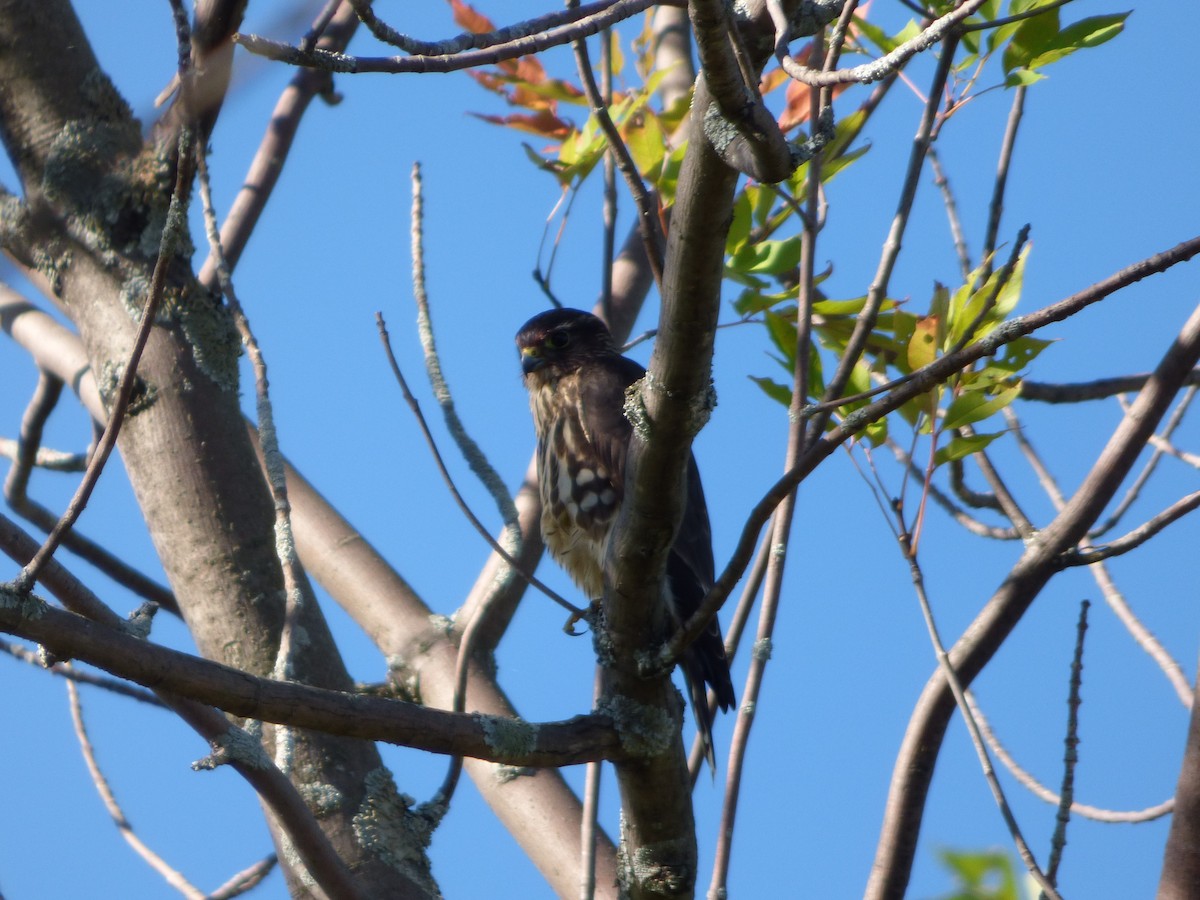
pixel 915 762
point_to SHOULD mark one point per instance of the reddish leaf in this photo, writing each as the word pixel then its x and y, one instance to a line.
pixel 543 123
pixel 529 68
pixel 470 19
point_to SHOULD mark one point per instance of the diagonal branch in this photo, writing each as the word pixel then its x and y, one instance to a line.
pixel 1039 562
pixel 578 740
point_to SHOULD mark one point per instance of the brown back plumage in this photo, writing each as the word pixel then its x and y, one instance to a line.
pixel 577 381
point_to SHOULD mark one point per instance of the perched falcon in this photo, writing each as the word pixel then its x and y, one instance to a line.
pixel 577 380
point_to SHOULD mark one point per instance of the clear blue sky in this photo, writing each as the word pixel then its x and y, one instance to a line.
pixel 1105 172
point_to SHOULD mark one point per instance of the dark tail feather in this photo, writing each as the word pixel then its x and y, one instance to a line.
pixel 702 713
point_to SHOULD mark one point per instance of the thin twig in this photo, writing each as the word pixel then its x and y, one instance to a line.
pixel 956 689
pixel 247 879
pixel 267 165
pixel 69 672
pixel 1086 556
pixel 295 584
pixel 1141 635
pixel 951 205
pixel 1018 17
pixel 1100 389
pixel 1071 755
pixel 877 292
pixel 609 212
pixel 956 512
pixel 45 458
pixel 647 208
pixel 941 29
pixel 608 14
pixel 589 818
pixel 1135 489
pixel 437 456
pixel 996 207
pixel 174 227
pixel 1042 792
pixel 733 640
pixel 781 530
pixel 172 876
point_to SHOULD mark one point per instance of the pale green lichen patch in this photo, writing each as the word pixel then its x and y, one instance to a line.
pixel 322 799
pixel 504 774
pixel 655 868
pixel 206 323
pixel 108 380
pixel 510 737
pixel 700 407
pixel 643 730
pixel 718 129
pixel 140 620
pixel 26 605
pixel 386 825
pixel 635 409
pixel 235 745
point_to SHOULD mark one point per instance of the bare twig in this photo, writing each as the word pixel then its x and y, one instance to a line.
pixel 941 29
pixel 589 820
pixel 176 225
pixel 1071 755
pixel 951 204
pixel 1135 489
pixel 604 16
pixel 956 687
pixel 1086 556
pixel 996 207
pixel 69 672
pixel 472 41
pixel 276 143
pixel 647 218
pixel 781 530
pixel 246 880
pixel 1100 389
pixel 172 876
pixel 416 409
pixel 297 591
pixel 1039 790
pixel 45 458
pixel 1112 595
pixel 969 522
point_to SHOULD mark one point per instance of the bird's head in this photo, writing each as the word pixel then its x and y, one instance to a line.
pixel 557 342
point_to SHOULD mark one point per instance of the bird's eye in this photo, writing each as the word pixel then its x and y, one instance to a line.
pixel 557 340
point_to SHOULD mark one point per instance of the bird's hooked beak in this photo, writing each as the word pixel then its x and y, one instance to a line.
pixel 531 359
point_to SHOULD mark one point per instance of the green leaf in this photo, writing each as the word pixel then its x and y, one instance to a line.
pixel 782 329
pixel 985 875
pixel 1039 41
pixel 768 257
pixel 1020 353
pixel 670 174
pixel 923 346
pixel 647 144
pixel 975 406
pixel 1022 76
pixel 962 446
pixel 990 303
pixel 739 229
pixel 774 390
pixel 1094 31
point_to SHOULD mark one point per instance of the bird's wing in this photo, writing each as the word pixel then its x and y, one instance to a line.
pixel 602 387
